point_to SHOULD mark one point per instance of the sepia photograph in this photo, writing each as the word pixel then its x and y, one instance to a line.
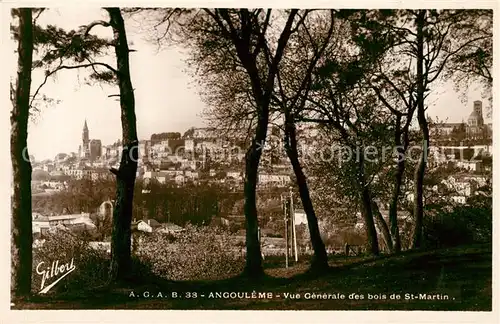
pixel 177 158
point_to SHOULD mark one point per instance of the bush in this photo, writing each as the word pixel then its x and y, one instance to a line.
pixel 199 253
pixel 91 266
pixel 463 225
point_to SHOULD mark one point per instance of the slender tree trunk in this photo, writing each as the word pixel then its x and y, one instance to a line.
pixel 367 203
pixel 125 175
pixel 253 266
pixel 22 235
pixel 393 208
pixel 418 207
pixel 382 225
pixel 320 258
pixel 398 179
pixel 371 232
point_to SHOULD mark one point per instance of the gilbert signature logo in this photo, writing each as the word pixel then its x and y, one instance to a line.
pixel 55 270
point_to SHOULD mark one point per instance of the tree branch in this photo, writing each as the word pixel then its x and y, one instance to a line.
pixel 282 41
pixel 262 35
pixel 116 95
pixel 450 54
pixel 38 15
pixel 92 25
pixel 89 65
pixel 115 172
pixel 65 67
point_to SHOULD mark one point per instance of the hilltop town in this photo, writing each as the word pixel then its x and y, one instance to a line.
pixel 204 156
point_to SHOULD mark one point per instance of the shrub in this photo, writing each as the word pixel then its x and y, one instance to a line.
pixel 463 225
pixel 91 266
pixel 198 253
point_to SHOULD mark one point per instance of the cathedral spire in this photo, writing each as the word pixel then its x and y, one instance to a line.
pixel 85 134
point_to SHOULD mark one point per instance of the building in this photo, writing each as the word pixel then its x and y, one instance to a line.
pixel 446 129
pixel 300 217
pixel 90 149
pixel 189 145
pixel 144 151
pixel 476 117
pixel 464 185
pixel 473 128
pixel 100 173
pixel 476 126
pixel 147 226
pixel 112 151
pixel 475 166
pixel 48 167
pixel 95 149
pixel 170 228
pixel 42 224
pixel 84 149
pixel 279 180
pixel 175 146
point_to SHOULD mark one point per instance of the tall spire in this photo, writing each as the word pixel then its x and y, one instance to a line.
pixel 85 133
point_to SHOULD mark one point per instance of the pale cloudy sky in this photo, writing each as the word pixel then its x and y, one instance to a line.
pixel 165 98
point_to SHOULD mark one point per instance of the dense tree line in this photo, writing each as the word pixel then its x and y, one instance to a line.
pixel 166 203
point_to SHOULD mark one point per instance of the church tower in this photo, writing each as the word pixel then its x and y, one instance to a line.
pixel 478 108
pixel 476 117
pixel 85 134
pixel 85 148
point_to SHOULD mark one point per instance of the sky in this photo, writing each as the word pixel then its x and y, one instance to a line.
pixel 166 98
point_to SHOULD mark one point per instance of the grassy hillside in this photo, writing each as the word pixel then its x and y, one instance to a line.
pixel 451 279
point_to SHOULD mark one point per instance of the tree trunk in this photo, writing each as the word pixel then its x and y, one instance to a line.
pixel 382 225
pixel 253 266
pixel 366 199
pixel 320 258
pixel 125 175
pixel 398 179
pixel 393 208
pixel 22 235
pixel 418 206
pixel 371 232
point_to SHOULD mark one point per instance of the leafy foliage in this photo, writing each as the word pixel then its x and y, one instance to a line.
pixel 464 225
pixel 474 62
pixel 199 253
pixel 91 264
pixel 55 43
pixel 79 196
pixel 195 204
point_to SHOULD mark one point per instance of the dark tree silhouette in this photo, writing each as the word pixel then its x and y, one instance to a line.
pixel 22 237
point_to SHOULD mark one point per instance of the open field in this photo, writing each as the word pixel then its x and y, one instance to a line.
pixel 452 279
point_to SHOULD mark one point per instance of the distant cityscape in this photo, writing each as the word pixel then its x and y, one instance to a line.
pixel 206 155
pixel 182 157
pixel 168 156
